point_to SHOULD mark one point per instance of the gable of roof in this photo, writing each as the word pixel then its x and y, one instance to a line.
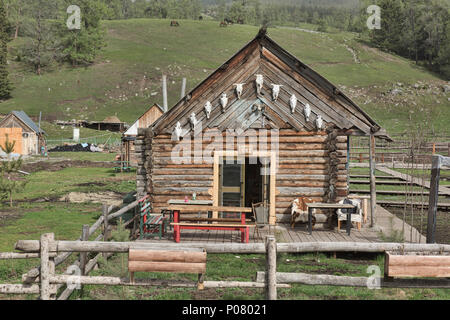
pixel 134 128
pixel 26 120
pixel 264 56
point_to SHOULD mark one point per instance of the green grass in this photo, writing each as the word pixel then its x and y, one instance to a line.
pixel 138 48
pixel 57 183
pixel 243 267
pixel 30 221
pixel 83 156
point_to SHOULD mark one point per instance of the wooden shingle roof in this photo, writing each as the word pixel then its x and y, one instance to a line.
pixel 264 56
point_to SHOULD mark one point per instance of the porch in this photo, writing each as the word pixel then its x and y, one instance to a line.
pixel 283 233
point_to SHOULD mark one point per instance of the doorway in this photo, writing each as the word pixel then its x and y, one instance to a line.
pixel 244 182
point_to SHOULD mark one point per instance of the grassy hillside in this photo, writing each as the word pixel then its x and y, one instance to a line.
pixel 126 79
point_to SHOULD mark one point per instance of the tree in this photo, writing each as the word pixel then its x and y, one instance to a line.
pixel 82 46
pixel 10 181
pixel 43 45
pixel 5 85
pixel 15 12
pixel 322 26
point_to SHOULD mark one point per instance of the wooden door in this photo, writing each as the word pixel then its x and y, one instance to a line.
pixel 232 184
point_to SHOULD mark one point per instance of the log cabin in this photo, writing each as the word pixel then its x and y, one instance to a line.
pixel 238 147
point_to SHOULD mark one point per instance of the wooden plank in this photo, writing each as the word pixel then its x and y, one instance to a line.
pixel 329 206
pixel 419 271
pixel 419 260
pixel 195 208
pixel 216 225
pixel 145 266
pixel 167 256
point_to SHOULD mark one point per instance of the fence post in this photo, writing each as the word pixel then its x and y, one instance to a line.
pixel 271 268
pixel 105 224
pixel 373 192
pixel 83 255
pixel 433 200
pixel 45 265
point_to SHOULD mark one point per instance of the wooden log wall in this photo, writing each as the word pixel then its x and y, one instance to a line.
pixel 304 167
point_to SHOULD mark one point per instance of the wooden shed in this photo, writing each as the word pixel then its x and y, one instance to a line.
pixel 264 127
pixel 20 128
pixel 129 136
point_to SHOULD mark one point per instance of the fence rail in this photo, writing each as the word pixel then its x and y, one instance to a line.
pixel 400 150
pixel 106 139
pixel 56 258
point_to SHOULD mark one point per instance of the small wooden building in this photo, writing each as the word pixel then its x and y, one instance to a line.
pixel 271 130
pixel 20 128
pixel 111 123
pixel 129 136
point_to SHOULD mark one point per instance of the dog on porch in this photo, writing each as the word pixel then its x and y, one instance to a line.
pixel 299 211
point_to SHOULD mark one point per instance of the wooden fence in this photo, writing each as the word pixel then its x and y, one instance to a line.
pixel 48 250
pixel 82 263
pixel 398 150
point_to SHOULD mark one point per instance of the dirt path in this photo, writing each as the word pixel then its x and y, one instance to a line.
pixel 48 165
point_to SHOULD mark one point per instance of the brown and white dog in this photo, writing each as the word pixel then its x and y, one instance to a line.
pixel 300 210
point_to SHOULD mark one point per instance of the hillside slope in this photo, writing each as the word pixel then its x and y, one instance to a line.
pixel 127 76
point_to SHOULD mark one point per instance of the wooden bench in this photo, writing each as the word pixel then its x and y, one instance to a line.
pixel 212 223
pixel 151 225
pixel 417 266
pixel 187 261
pixel 122 166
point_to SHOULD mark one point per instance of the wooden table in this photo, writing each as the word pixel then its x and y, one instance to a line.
pixel 317 205
pixel 188 203
pixel 242 227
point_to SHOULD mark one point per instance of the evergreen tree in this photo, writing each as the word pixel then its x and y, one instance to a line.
pixel 82 46
pixel 5 85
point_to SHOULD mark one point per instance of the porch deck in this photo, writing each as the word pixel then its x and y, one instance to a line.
pixel 282 232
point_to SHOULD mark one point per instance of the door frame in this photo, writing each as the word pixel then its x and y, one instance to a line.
pixel 235 154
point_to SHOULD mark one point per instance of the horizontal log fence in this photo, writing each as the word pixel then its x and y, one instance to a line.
pixel 49 282
pixel 55 258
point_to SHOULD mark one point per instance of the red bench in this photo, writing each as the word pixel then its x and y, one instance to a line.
pixel 210 223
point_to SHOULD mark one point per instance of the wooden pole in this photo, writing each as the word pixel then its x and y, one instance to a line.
pixel 22 289
pixel 373 192
pixel 105 224
pixel 83 255
pixel 271 267
pixel 331 280
pixel 165 103
pixel 291 247
pixel 45 270
pixel 114 281
pixel 433 198
pixel 183 88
